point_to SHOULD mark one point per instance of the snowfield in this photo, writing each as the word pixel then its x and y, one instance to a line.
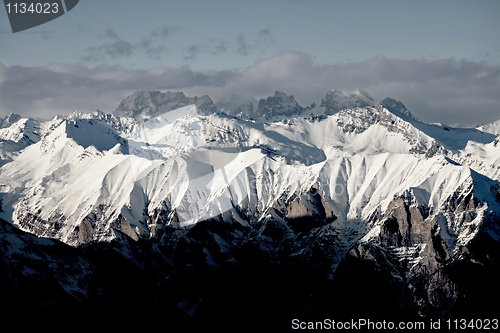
pixel 192 209
pixel 89 177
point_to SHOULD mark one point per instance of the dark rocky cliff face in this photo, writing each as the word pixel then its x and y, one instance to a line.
pixel 278 105
pixel 145 105
pixel 228 277
pixel 336 100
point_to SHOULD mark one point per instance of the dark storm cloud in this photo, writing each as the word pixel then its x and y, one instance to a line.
pixel 109 50
pixel 62 88
pixel 110 33
pixel 152 50
pixel 163 32
pixel 152 45
pixel 192 52
pixel 242 47
pixel 264 32
pixel 239 46
pixel 114 50
pixel 449 91
pixel 210 46
pixel 83 28
pixel 155 52
pixel 264 38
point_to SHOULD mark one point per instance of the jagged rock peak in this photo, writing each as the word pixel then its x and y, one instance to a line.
pixel 9 119
pixel 396 107
pixel 237 106
pixel 278 104
pixel 144 105
pixel 337 100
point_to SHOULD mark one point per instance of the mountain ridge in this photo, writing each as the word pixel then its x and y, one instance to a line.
pixel 320 202
pixel 294 141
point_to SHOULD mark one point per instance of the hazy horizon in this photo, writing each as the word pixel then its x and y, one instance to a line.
pixel 441 59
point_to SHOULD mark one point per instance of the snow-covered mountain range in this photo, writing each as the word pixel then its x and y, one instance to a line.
pixel 324 187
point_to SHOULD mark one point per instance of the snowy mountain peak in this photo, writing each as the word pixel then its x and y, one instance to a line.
pixel 337 100
pixel 364 94
pixel 493 127
pixel 25 130
pixel 145 105
pixel 281 94
pixel 174 164
pixel 316 196
pixel 396 107
pixel 9 119
pixel 84 132
pixel 17 134
pixel 91 132
pixel 279 104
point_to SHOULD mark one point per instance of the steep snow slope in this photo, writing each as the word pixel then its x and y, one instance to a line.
pixel 493 128
pixel 65 153
pixel 290 206
pixel 361 130
pixel 17 133
pixel 184 168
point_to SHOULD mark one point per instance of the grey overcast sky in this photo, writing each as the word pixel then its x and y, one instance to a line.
pixel 441 58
